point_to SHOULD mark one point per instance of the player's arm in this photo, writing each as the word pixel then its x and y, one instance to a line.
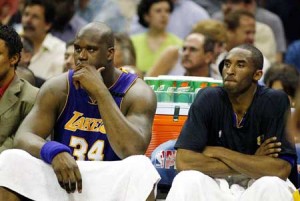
pixel 254 166
pixel 187 159
pixel 129 134
pixel 191 160
pixel 39 123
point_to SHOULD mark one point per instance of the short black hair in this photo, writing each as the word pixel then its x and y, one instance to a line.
pixel 47 5
pixel 144 8
pixel 12 41
pixel 257 56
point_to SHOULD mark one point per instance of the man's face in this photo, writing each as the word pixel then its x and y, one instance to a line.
pixel 238 72
pixel 89 49
pixel 6 65
pixel 193 55
pixel 69 58
pixel 34 22
pixel 244 33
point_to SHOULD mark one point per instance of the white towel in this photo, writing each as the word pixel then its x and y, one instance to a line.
pixel 131 179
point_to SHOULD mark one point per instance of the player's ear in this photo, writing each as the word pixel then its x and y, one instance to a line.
pixel 257 75
pixel 110 53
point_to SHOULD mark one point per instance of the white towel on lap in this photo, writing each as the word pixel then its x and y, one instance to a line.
pixel 130 179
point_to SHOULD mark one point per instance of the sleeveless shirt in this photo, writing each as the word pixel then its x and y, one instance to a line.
pixel 80 125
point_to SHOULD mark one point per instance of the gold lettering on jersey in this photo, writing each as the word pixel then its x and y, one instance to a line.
pixel 79 122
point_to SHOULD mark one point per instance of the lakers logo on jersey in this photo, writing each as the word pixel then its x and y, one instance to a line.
pixel 79 122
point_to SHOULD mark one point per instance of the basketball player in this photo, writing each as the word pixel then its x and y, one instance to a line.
pixel 97 113
pixel 219 149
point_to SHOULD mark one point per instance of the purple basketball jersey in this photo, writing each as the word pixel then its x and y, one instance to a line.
pixel 80 125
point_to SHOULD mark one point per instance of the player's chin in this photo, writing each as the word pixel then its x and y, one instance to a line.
pixel 231 88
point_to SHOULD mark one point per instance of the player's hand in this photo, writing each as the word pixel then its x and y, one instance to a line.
pixel 67 172
pixel 270 147
pixel 87 77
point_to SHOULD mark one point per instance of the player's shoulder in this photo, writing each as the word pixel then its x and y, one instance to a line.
pixel 140 89
pixel 56 86
pixel 267 94
pixel 211 93
pixel 210 97
pixel 140 94
pixel 271 100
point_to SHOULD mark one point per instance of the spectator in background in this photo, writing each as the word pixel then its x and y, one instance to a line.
pixel 16 96
pixel 283 77
pixel 241 28
pixel 125 56
pixel 197 55
pixel 69 62
pixel 149 45
pixel 264 16
pixel 210 31
pixel 66 23
pixel 194 58
pixel 186 13
pixel 48 51
pixel 292 55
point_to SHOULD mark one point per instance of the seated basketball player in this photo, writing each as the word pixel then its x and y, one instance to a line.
pixel 96 112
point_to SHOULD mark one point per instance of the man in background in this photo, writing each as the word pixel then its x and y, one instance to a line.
pixel 48 51
pixel 16 96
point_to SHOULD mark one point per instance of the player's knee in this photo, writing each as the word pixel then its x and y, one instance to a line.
pixel 189 178
pixel 269 183
pixel 138 163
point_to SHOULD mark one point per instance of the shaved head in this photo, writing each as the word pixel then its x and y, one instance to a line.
pixel 100 31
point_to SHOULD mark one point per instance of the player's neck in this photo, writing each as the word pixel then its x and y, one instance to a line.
pixel 241 103
pixel 110 76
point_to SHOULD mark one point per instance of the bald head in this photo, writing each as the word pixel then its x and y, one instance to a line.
pixel 99 32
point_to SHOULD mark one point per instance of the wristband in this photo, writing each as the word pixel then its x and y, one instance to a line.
pixel 51 149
